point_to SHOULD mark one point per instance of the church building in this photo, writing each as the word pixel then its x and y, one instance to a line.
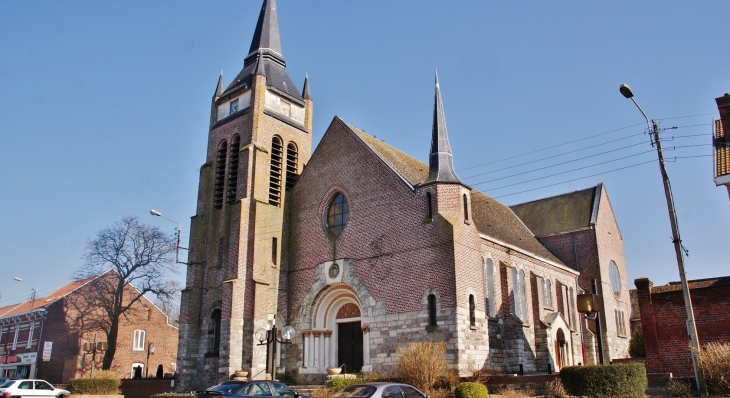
pixel 365 253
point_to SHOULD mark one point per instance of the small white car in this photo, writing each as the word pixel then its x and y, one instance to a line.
pixel 30 388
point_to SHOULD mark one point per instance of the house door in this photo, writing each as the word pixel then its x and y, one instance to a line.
pixel 559 349
pixel 349 346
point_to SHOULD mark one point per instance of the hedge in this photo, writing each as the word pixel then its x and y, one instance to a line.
pixel 94 386
pixel 471 390
pixel 618 380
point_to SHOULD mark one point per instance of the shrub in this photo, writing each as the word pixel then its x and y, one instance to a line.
pixel 555 389
pixel 104 382
pixel 471 389
pixel 713 359
pixel 678 388
pixel 422 364
pixel 636 344
pixel 618 380
pixel 511 392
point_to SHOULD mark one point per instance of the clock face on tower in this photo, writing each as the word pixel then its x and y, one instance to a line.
pixel 334 270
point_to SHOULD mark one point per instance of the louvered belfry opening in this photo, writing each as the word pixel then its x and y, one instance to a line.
pixel 233 169
pixel 220 172
pixel 275 174
pixel 291 165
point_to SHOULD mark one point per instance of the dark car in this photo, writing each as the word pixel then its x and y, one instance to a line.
pixel 380 390
pixel 254 388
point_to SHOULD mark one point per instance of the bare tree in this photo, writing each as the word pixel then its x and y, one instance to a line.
pixel 171 306
pixel 141 256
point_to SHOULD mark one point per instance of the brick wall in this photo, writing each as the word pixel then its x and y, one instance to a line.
pixel 663 321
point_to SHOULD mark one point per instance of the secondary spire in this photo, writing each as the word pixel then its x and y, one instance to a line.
pixel 440 160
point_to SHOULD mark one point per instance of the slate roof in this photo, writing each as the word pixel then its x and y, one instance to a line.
pixel 566 212
pixel 491 217
pixel 41 302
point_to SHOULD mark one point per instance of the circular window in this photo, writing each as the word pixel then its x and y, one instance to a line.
pixel 337 214
pixel 615 278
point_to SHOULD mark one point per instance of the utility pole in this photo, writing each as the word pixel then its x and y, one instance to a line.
pixel 694 343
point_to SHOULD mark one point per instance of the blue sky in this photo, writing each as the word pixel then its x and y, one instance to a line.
pixel 104 108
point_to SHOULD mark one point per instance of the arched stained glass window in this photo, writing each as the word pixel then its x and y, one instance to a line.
pixel 615 278
pixel 523 296
pixel 472 311
pixel 337 214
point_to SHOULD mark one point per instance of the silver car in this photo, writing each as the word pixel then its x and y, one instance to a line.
pixel 380 390
pixel 30 388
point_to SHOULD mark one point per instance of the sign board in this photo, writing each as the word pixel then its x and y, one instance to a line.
pixel 47 346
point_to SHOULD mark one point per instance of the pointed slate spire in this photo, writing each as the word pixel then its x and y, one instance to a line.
pixel 440 160
pixel 305 91
pixel 266 35
pixel 219 88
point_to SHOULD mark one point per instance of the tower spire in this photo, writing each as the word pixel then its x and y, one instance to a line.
pixel 440 160
pixel 305 92
pixel 219 87
pixel 266 36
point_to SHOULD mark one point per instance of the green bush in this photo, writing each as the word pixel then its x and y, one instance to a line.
pixel 636 344
pixel 471 390
pixel 94 386
pixel 618 380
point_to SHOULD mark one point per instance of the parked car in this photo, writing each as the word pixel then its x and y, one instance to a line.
pixel 30 388
pixel 380 390
pixel 254 388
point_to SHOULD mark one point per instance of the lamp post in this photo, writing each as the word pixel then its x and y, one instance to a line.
pixel 150 351
pixel 43 317
pixel 35 291
pixel 691 327
pixel 267 337
pixel 92 348
pixel 179 231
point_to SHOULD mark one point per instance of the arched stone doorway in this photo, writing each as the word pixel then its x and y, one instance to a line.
pixel 336 335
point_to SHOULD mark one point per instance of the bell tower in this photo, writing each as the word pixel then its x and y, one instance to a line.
pixel 259 139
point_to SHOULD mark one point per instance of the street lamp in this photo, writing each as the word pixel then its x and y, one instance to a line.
pixel 179 231
pixel 35 291
pixel 267 337
pixel 691 328
pixel 92 348
pixel 150 351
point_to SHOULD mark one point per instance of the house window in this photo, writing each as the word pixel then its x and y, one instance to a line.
pixel 275 173
pixel 615 278
pixel 15 339
pixel 472 311
pixel 233 169
pixel 571 306
pixel 234 106
pixel 431 310
pixel 429 214
pixel 30 336
pixel 466 208
pixel 220 174
pixel 337 214
pixel 215 321
pixel 291 165
pixel 138 344
pixel 137 370
pixel 490 287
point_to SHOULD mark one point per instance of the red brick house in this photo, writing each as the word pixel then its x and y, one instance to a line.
pixel 721 143
pixel 44 338
pixel 366 248
pixel 663 321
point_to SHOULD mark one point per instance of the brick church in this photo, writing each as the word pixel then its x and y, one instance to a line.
pixel 363 253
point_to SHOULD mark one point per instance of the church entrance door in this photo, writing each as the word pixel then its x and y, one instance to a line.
pixel 349 346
